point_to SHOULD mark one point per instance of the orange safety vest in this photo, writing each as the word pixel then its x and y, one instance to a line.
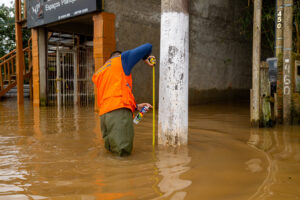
pixel 114 88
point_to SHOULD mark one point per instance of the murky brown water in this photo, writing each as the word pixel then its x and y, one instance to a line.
pixel 56 154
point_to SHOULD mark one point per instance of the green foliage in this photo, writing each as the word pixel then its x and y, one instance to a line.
pixel 297 12
pixel 268 23
pixel 7 30
pixel 245 22
pixel 296 33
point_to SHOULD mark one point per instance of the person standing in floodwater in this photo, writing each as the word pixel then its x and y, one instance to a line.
pixel 115 99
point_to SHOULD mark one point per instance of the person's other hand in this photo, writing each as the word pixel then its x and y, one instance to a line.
pixel 147 61
pixel 141 105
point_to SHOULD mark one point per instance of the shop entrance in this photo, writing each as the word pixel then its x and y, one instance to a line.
pixel 69 72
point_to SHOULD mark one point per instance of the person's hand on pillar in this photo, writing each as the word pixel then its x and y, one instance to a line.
pixel 150 64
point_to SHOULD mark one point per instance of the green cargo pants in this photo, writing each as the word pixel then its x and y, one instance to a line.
pixel 117 131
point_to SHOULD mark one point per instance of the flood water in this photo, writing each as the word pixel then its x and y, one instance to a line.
pixel 51 153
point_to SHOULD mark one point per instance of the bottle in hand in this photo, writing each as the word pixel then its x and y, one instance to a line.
pixel 140 115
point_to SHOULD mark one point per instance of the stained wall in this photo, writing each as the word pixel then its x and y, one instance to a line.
pixel 220 58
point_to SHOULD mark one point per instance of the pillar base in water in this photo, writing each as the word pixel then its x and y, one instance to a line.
pixel 174 70
pixel 172 138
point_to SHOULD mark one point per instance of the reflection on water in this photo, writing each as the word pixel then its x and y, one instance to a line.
pixel 281 146
pixel 57 153
pixel 171 164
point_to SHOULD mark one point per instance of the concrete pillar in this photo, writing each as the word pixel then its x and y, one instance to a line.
pixel 43 57
pixel 278 52
pixel 19 54
pixel 287 60
pixel 174 68
pixel 104 41
pixel 279 28
pixel 256 53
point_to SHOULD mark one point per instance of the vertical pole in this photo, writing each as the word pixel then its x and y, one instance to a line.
pixel 153 104
pixel 8 71
pixel 43 56
pixel 278 52
pixel 104 41
pixel 35 67
pixel 256 62
pixel 174 64
pixel 20 9
pixel 30 69
pixel 287 60
pixel 25 10
pixel 58 78
pixel 19 54
pixel 75 78
pixel 78 73
pixel 62 65
pixel 279 26
pixel 1 79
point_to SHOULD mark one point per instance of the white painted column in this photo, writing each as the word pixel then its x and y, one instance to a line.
pixel 174 68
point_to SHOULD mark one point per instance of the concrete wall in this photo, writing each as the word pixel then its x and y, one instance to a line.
pixel 220 59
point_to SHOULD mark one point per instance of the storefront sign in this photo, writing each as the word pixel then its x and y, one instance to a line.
pixel 41 12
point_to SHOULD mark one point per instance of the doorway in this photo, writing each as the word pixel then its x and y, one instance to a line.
pixel 69 72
